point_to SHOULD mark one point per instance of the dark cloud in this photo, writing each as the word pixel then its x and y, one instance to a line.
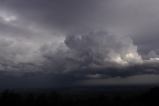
pixel 139 74
pixel 55 41
pixel 53 13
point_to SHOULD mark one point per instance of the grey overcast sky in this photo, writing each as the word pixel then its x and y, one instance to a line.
pixel 46 43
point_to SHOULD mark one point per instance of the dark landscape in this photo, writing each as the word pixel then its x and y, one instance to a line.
pixel 142 96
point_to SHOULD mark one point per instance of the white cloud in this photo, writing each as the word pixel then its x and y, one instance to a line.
pixel 7 17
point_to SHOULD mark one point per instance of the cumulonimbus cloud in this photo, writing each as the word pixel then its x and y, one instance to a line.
pixel 93 50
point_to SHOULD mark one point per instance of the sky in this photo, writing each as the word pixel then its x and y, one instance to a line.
pixel 50 43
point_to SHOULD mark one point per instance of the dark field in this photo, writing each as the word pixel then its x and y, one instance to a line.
pixel 82 97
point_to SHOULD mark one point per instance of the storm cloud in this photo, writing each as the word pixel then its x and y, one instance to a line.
pixel 78 40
